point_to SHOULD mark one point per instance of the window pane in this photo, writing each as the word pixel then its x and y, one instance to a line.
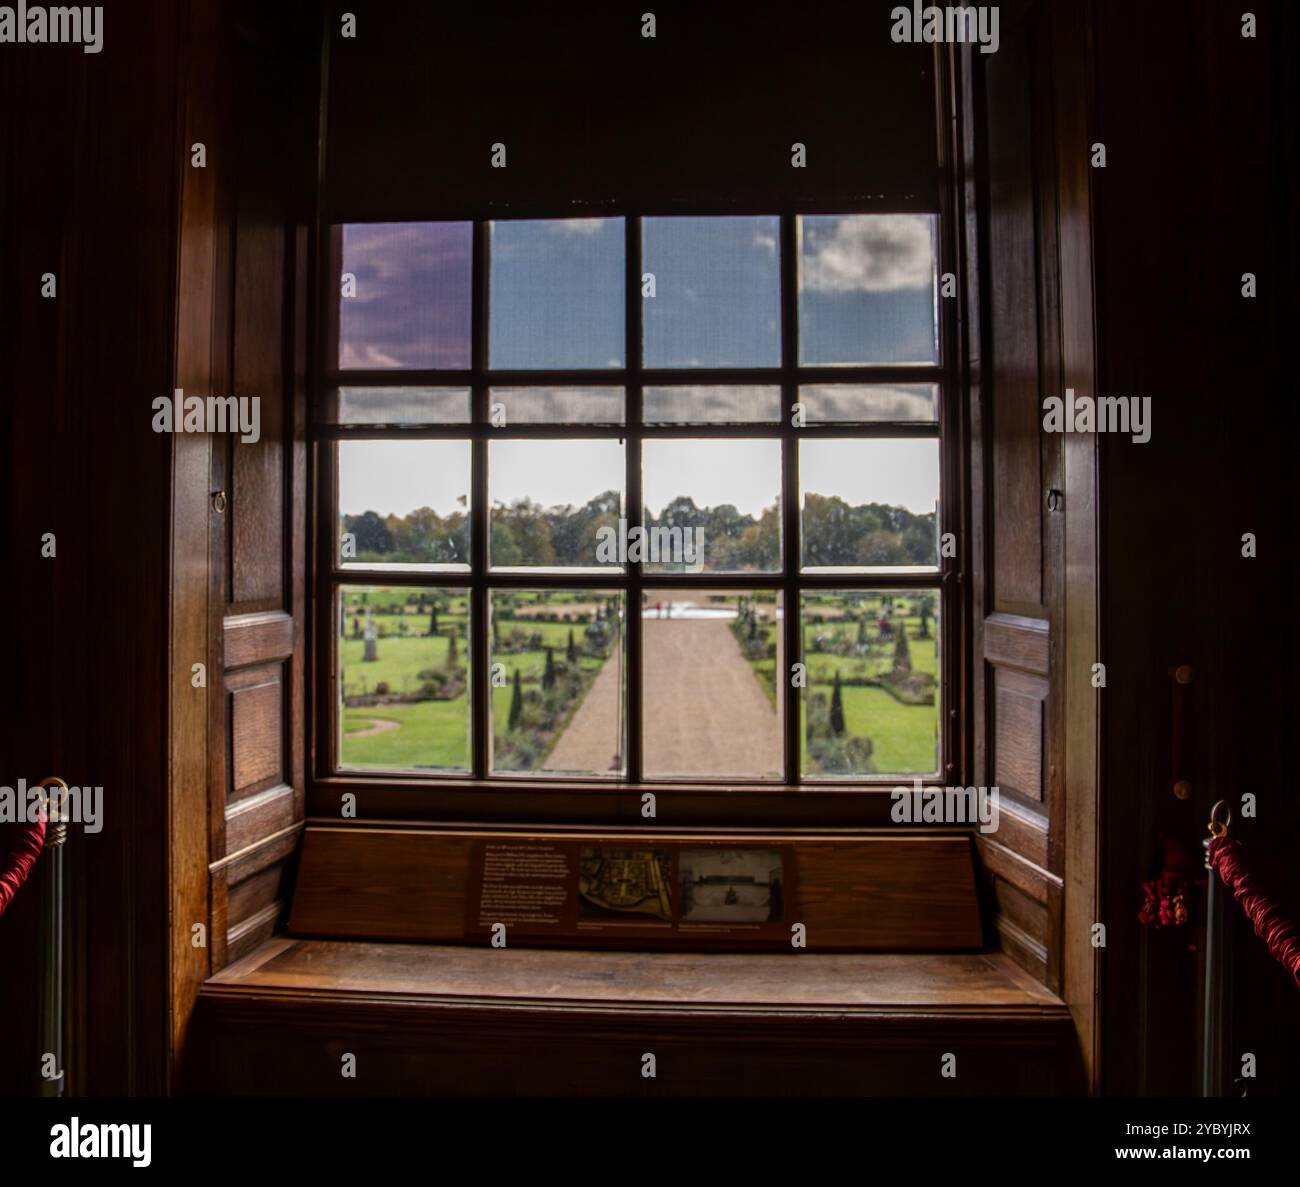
pixel 872 701
pixel 561 707
pixel 404 405
pixel 555 503
pixel 867 289
pixel 717 292
pixel 869 504
pixel 404 504
pixel 403 678
pixel 556 294
pixel 711 699
pixel 846 403
pixel 711 506
pixel 409 304
pixel 696 405
pixel 556 406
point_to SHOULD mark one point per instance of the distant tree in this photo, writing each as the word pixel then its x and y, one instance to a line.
pixel 862 632
pixel 452 656
pixel 926 607
pixel 902 655
pixel 433 619
pixel 371 533
pixel 516 703
pixel 837 707
pixel 548 677
pixel 571 654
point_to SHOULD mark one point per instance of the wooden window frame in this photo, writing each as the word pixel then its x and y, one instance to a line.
pixel 603 800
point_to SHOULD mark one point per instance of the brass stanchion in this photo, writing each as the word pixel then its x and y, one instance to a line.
pixel 51 940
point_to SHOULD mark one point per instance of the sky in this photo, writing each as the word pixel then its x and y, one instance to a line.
pixel 866 294
pixel 396 477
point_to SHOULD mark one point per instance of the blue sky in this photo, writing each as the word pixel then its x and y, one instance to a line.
pixel 866 294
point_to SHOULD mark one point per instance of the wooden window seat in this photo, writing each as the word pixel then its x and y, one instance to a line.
pixel 446 1019
pixel 377 965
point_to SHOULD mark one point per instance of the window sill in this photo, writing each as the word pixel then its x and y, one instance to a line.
pixel 795 982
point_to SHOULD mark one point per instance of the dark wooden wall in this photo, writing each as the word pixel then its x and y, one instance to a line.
pixel 94 201
pixel 1199 187
pixel 168 276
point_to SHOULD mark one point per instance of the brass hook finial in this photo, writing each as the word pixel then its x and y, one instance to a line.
pixel 1218 829
pixel 57 831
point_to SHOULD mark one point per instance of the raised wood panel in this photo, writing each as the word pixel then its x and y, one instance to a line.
pixel 258 638
pixel 1023 948
pixel 905 893
pixel 1019 724
pixel 1018 908
pixel 1017 642
pixel 254 893
pixel 257 496
pixel 251 933
pixel 1022 830
pixel 256 729
pixel 261 853
pixel 1006 864
pixel 249 820
pixel 1012 387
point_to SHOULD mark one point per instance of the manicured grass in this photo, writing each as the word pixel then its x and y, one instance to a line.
pixel 429 734
pixel 532 664
pixel 554 634
pixel 903 735
pixel 880 663
pixel 399 662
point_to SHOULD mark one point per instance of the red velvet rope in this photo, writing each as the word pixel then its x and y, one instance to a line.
pixel 20 846
pixel 1277 931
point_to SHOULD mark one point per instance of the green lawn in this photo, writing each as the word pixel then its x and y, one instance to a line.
pixel 399 662
pixel 430 734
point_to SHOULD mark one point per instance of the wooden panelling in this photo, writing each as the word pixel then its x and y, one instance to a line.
pixel 258 638
pixel 253 894
pixel 1019 725
pixel 1016 642
pixel 250 933
pixel 1018 707
pixel 256 728
pixel 1012 366
pixel 891 893
pixel 1021 873
pixel 1022 830
pixel 258 816
pixel 428 1019
pixel 257 772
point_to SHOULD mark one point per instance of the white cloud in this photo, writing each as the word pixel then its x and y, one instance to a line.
pixel 575 226
pixel 867 253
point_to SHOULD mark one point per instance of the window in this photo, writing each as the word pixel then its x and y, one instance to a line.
pixel 649 499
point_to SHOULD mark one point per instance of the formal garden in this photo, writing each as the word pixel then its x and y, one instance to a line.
pixel 870 706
